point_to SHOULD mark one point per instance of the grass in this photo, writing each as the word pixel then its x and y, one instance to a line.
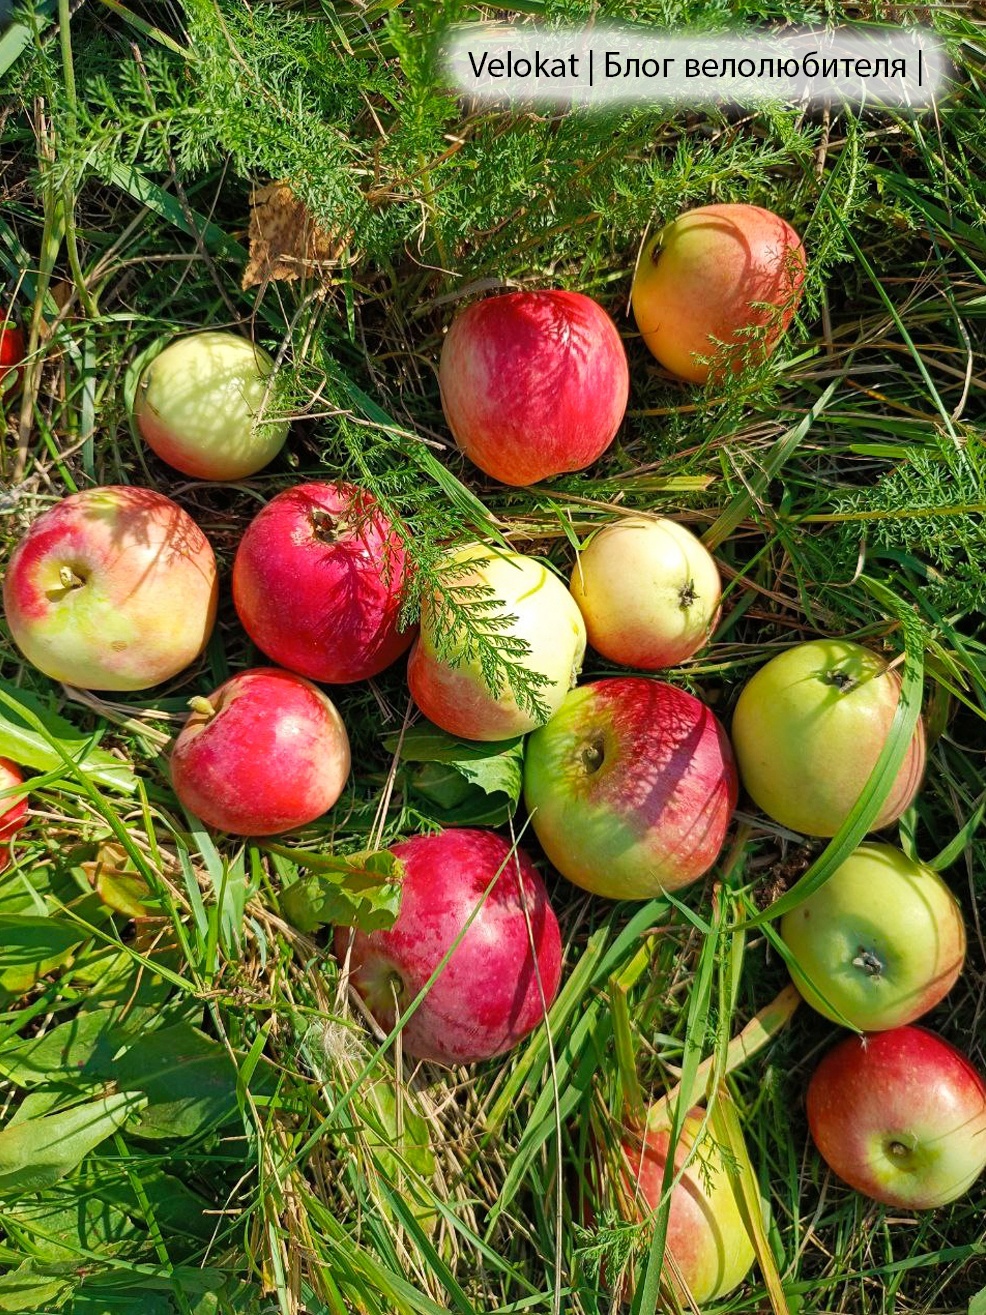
pixel 294 1160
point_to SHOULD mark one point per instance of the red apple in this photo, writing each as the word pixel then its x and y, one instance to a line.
pixel 13 813
pixel 707 1238
pixel 533 384
pixel 267 752
pixel 720 282
pixel 319 581
pixel 879 944
pixel 808 729
pixel 900 1116
pixel 12 349
pixel 630 787
pixel 112 588
pixel 502 975
pixel 649 592
pixel 446 671
pixel 202 406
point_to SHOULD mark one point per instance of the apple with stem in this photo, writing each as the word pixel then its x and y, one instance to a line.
pixel 508 602
pixel 649 592
pixel 900 1116
pixel 319 581
pixel 266 752
pixel 716 289
pixel 113 589
pixel 808 729
pixel 475 912
pixel 533 384
pixel 879 944
pixel 631 787
pixel 203 405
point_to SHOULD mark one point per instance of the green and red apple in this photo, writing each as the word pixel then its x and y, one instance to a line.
pixel 716 288
pixel 112 588
pixel 900 1116
pixel 524 605
pixel 649 592
pixel 879 944
pixel 808 729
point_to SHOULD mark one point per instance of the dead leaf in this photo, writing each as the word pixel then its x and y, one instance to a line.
pixel 285 241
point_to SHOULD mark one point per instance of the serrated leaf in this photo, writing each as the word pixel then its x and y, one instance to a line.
pixel 463 783
pixel 23 744
pixel 354 890
pixel 38 1152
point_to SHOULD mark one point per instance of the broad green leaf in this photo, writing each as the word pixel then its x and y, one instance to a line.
pixel 25 745
pixel 24 1289
pixel 84 1044
pixel 462 784
pixel 65 1224
pixel 31 947
pixel 35 1154
pixel 361 890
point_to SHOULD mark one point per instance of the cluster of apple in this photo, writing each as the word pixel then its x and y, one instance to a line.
pixel 630 782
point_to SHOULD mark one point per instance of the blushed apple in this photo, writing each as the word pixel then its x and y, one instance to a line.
pixel 808 729
pixel 649 592
pixel 501 977
pixel 203 405
pixel 266 753
pixel 533 384
pixel 112 588
pixel 532 608
pixel 319 582
pixel 900 1116
pixel 880 943
pixel 630 787
pixel 716 288
pixel 13 812
pixel 707 1238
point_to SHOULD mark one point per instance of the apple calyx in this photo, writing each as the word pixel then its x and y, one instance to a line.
pixel 870 963
pixel 200 704
pixel 327 527
pixel 842 680
pixel 592 754
pixel 687 595
pixel 67 581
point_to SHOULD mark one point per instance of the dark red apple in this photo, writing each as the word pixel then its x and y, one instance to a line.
pixel 267 752
pixel 502 975
pixel 12 349
pixel 319 580
pixel 900 1116
pixel 533 384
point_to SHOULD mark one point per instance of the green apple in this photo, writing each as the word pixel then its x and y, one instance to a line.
pixel 649 591
pixel 881 943
pixel 808 729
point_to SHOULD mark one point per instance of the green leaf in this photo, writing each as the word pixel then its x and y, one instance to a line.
pixel 82 1046
pixel 25 745
pixel 977 1303
pixel 24 1289
pixel 35 1154
pixel 65 1224
pixel 462 783
pixel 31 947
pixel 354 890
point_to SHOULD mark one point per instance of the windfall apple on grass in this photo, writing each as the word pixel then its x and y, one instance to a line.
pixel 319 581
pixel 515 600
pixel 113 588
pixel 716 289
pixel 808 729
pixel 631 787
pixel 474 911
pixel 533 384
pixel 900 1116
pixel 266 752
pixel 879 944
pixel 202 406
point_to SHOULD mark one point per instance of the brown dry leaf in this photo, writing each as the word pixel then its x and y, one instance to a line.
pixel 285 242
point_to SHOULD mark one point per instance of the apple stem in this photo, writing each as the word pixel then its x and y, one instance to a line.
pixel 201 705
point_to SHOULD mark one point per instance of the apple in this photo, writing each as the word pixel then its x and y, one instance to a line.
pixel 707 1238
pixel 319 581
pixel 267 752
pixel 649 592
pixel 13 812
pixel 630 787
pixel 881 943
pixel 12 349
pixel 201 406
pixel 808 729
pixel 112 588
pixel 501 977
pixel 721 283
pixel 900 1116
pixel 533 384
pixel 523 603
